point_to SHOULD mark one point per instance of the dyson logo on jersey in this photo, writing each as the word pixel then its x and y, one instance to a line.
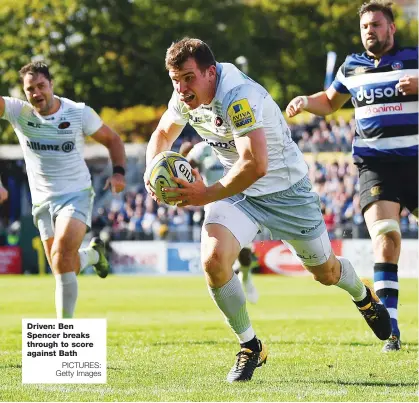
pixel 373 93
pixel 36 146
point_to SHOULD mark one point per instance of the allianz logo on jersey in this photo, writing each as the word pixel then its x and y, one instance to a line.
pixel 374 93
pixel 67 147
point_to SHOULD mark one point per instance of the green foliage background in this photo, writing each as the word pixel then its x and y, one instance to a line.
pixel 110 53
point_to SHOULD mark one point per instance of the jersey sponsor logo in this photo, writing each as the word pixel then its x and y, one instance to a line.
pixel 360 70
pixel 218 121
pixel 308 257
pixel 375 191
pixel 34 145
pixel 374 93
pixel 64 125
pixel 68 146
pixel 196 119
pixel 397 65
pixel 241 114
pixel 35 125
pixel 376 110
pixel 307 230
pixel 220 144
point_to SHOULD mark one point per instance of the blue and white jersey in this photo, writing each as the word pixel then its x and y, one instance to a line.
pixel 386 120
pixel 53 145
pixel 241 105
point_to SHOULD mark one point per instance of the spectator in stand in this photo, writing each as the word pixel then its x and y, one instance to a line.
pixel 148 218
pixel 161 224
pixel 135 229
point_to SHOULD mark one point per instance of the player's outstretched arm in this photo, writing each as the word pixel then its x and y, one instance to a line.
pixel 2 106
pixel 167 131
pixel 106 136
pixel 322 103
pixel 4 194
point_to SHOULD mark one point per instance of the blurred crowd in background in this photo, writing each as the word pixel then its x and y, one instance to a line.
pixel 134 215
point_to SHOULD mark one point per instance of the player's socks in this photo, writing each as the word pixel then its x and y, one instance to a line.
pixel 65 294
pixel 253 345
pixel 245 278
pixel 88 257
pixel 231 300
pixel 245 270
pixel 386 286
pixel 349 280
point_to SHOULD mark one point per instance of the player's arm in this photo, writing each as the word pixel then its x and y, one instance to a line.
pixel 408 85
pixel 322 103
pixel 106 136
pixel 4 194
pixel 251 166
pixel 2 106
pixel 162 139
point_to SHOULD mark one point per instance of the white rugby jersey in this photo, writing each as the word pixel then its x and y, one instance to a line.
pixel 53 145
pixel 209 165
pixel 241 105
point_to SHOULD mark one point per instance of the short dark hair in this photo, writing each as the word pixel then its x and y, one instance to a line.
pixel 378 5
pixel 35 68
pixel 180 51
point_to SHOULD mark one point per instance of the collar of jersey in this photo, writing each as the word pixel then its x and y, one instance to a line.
pixel 391 52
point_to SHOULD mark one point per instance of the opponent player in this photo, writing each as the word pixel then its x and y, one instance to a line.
pixel 265 185
pixel 51 132
pixel 4 194
pixel 202 157
pixel 383 83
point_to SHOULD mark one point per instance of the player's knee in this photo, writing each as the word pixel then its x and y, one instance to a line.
pixel 62 258
pixel 245 257
pixel 327 273
pixel 325 278
pixel 216 261
pixel 386 237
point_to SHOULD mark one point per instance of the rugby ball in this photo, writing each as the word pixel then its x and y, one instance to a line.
pixel 160 170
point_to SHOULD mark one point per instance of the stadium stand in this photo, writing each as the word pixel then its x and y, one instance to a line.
pixel 135 216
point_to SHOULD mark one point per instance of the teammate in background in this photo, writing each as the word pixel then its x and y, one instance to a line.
pixel 51 133
pixel 4 194
pixel 383 83
pixel 202 157
pixel 265 185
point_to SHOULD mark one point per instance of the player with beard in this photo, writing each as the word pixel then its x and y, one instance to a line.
pixel 51 131
pixel 383 83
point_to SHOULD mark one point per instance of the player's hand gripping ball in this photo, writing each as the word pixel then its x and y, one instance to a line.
pixel 160 170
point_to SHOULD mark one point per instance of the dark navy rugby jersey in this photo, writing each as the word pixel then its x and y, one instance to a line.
pixel 386 120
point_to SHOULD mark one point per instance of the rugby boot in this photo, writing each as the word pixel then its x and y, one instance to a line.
pixel 102 266
pixel 246 363
pixel 375 313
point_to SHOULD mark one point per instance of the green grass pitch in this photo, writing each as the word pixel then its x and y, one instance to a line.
pixel 167 341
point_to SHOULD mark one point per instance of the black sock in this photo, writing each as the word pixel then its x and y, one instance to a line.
pixel 386 284
pixel 251 344
pixel 365 301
